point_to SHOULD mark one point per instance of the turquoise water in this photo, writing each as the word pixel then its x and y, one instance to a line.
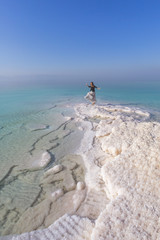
pixel 18 104
pixel 30 99
pixel 34 119
pixel 33 122
pixel 137 94
pixel 31 105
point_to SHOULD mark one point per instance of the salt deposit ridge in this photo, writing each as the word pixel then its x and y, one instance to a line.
pixel 121 195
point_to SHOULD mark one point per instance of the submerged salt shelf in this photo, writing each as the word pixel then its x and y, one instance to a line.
pixel 37 143
pixel 120 198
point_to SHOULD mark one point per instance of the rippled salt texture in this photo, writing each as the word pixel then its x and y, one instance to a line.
pixel 121 153
pixel 28 147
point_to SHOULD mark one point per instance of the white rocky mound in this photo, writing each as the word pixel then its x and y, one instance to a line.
pixel 121 152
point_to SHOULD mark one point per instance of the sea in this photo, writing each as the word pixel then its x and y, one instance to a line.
pixel 40 118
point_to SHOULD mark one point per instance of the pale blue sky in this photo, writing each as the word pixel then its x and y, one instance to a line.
pixel 79 37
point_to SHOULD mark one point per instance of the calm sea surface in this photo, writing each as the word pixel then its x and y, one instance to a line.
pixel 28 107
pixel 23 109
pixel 30 99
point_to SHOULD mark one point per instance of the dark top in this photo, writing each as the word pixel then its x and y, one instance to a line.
pixel 92 89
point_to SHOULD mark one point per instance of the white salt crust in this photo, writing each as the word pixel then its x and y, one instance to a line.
pixel 57 194
pixel 45 159
pixel 39 162
pixel 54 170
pixel 124 161
pixel 80 186
pixel 121 200
pixel 67 227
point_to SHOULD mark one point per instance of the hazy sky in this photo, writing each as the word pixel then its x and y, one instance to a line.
pixel 79 37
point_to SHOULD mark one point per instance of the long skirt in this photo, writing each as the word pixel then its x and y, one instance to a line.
pixel 91 96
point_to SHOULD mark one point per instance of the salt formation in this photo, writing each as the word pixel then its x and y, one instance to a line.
pixel 127 153
pixel 36 127
pixel 40 161
pixel 80 185
pixel 120 199
pixel 33 217
pixel 54 170
pixel 55 195
pixel 68 227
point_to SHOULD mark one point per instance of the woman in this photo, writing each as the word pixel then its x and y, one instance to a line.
pixel 91 96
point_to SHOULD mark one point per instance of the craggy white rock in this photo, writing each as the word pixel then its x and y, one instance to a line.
pixel 129 174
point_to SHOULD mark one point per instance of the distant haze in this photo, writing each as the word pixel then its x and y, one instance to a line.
pixel 111 77
pixel 78 41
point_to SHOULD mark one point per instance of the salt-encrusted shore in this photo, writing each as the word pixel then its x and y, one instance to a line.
pixel 120 198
